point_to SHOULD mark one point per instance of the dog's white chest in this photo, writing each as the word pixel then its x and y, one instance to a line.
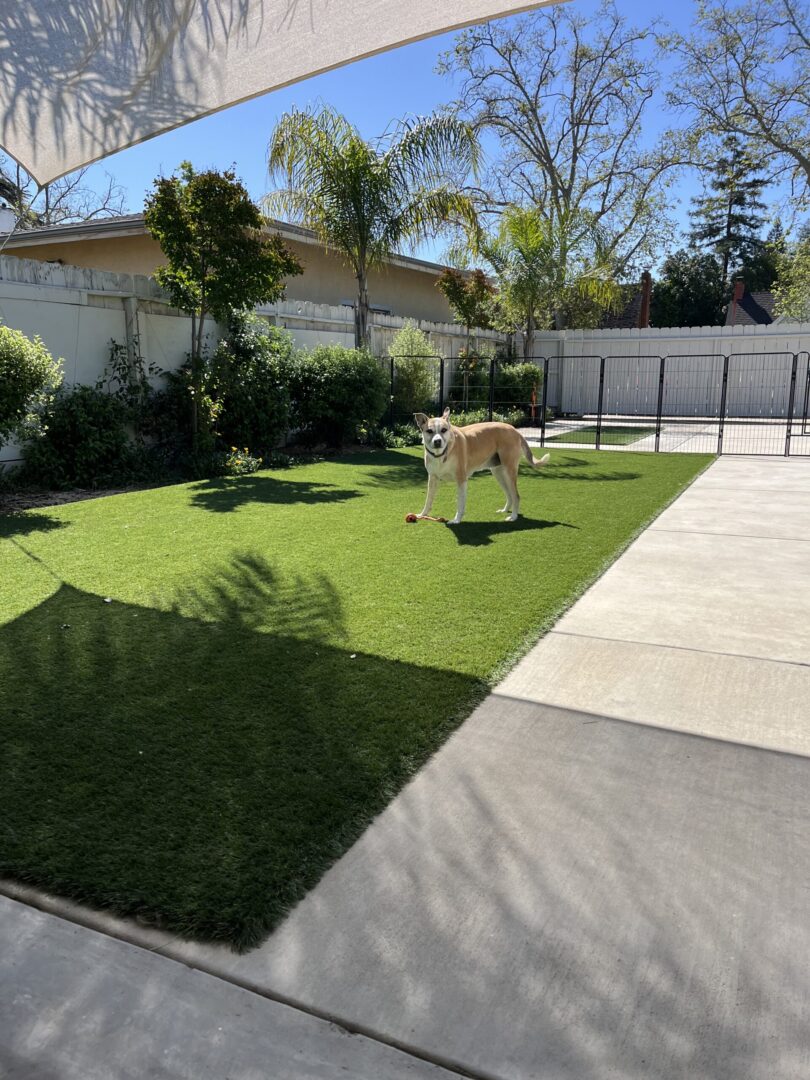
pixel 441 468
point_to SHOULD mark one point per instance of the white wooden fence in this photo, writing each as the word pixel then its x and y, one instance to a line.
pixel 759 373
pixel 78 312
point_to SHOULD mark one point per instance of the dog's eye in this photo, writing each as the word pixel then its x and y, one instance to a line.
pixel 444 431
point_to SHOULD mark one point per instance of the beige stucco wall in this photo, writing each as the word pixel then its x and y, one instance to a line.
pixel 405 291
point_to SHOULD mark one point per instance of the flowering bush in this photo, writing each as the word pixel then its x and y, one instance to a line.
pixel 236 462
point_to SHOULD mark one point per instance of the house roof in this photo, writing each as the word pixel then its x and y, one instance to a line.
pixel 133 225
pixel 754 309
pixel 626 319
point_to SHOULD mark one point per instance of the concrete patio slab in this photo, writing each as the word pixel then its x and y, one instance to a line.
pixel 756 702
pixel 77 1005
pixel 768 474
pixel 562 896
pixel 728 594
pixel 738 511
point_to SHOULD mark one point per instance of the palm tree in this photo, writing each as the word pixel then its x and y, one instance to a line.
pixel 368 200
pixel 544 265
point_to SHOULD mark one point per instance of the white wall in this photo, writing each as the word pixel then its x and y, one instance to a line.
pixel 78 312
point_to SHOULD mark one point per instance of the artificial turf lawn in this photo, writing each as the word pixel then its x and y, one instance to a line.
pixel 612 435
pixel 209 689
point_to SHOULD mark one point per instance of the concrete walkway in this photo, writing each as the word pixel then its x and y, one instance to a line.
pixel 603 874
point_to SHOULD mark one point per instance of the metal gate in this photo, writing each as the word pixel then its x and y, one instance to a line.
pixel 741 403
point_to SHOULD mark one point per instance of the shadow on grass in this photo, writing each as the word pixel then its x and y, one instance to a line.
pixel 481 533
pixel 226 494
pixel 20 524
pixel 202 775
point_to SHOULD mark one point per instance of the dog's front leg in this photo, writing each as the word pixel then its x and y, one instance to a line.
pixel 433 486
pixel 462 502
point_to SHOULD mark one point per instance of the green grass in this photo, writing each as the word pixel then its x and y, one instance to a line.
pixel 612 435
pixel 208 690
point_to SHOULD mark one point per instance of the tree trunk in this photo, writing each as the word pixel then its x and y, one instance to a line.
pixel 195 426
pixel 362 336
pixel 528 336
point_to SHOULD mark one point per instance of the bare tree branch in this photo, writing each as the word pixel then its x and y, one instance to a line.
pixel 746 72
pixel 568 99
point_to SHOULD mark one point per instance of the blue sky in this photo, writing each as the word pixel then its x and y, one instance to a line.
pixel 370 93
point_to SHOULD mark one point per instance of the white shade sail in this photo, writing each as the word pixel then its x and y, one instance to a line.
pixel 84 78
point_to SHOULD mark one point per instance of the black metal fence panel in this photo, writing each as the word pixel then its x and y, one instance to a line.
pixel 741 403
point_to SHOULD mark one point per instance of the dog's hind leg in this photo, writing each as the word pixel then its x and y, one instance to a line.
pixel 499 472
pixel 510 475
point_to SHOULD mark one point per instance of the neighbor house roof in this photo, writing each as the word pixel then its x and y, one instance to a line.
pixel 133 225
pixel 751 309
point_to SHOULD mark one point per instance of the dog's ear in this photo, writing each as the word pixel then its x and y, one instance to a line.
pixel 446 413
pixel 421 419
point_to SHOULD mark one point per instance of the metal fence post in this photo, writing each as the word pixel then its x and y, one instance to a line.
pixel 660 408
pixel 491 388
pixel 806 397
pixel 791 403
pixel 543 401
pixel 391 410
pixel 723 392
pixel 601 400
pixel 441 385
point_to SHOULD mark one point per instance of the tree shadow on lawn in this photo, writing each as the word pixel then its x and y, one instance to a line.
pixel 23 524
pixel 196 774
pixel 226 494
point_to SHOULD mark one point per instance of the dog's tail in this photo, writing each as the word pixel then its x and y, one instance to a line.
pixel 532 460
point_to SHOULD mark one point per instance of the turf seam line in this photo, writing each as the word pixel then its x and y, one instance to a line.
pixel 85 919
pixel 679 648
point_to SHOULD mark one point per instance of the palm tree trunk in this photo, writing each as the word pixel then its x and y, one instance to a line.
pixel 528 336
pixel 362 334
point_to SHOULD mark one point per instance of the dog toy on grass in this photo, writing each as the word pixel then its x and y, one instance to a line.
pixel 411 518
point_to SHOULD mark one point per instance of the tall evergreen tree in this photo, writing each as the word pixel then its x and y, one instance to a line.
pixel 689 291
pixel 728 219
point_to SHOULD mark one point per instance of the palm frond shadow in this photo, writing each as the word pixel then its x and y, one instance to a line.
pixel 199 767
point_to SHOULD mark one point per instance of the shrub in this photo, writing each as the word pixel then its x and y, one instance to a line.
pixel 415 366
pixel 29 376
pixel 514 383
pixel 248 377
pixel 334 391
pixel 235 462
pixel 85 443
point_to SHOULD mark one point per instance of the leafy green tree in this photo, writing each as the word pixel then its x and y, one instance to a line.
pixel 29 377
pixel 544 265
pixel 761 270
pixel 415 365
pixel 690 291
pixel 219 257
pixel 368 200
pixel 728 219
pixel 792 286
pixel 470 294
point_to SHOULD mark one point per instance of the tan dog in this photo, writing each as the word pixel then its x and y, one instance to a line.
pixel 453 453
